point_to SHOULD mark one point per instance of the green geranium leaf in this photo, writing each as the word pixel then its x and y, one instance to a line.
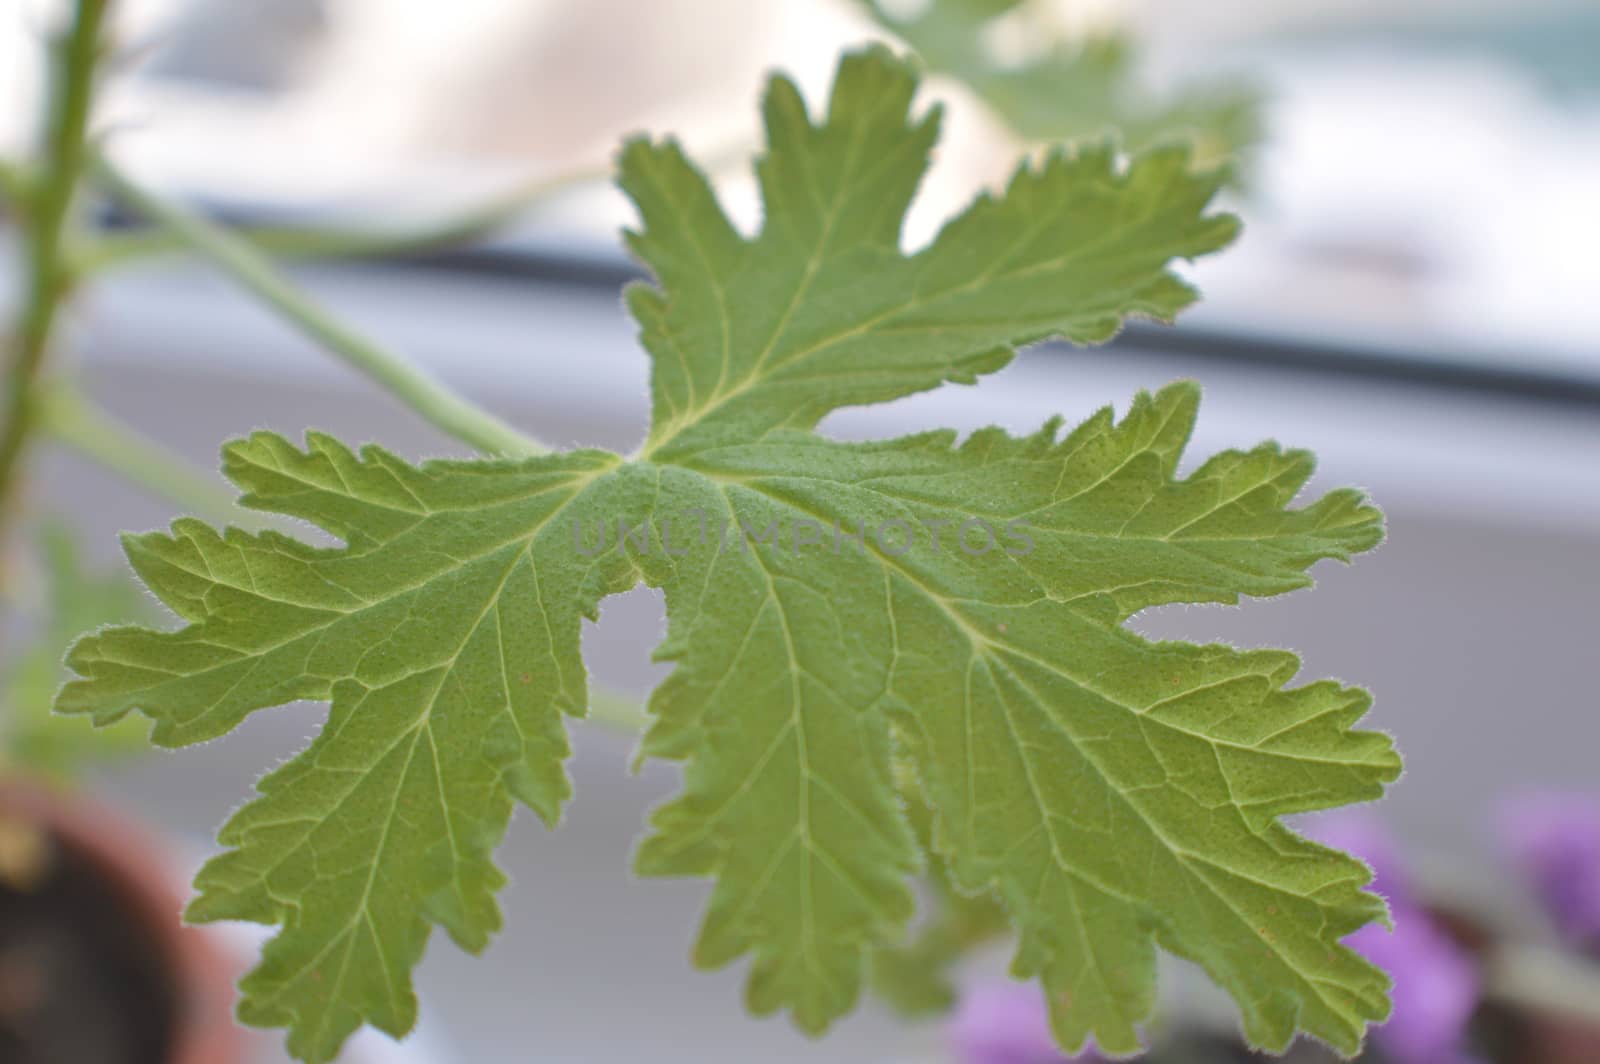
pixel 853 626
pixel 1072 90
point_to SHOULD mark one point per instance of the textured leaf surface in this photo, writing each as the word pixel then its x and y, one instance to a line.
pixel 834 659
pixel 448 647
pixel 1070 90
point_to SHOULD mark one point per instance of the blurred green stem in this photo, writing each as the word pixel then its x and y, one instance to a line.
pixel 309 242
pixel 46 210
pixel 97 435
pixel 13 184
pixel 619 712
pixel 250 269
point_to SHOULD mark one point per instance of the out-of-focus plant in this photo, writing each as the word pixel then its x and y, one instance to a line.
pixel 32 738
pixel 1553 841
pixel 1062 89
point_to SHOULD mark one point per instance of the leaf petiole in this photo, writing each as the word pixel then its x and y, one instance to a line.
pixel 465 227
pixel 14 184
pixel 97 435
pixel 256 274
pixel 47 207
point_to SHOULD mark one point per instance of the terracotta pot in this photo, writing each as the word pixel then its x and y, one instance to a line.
pixel 1555 1039
pixel 1525 1031
pixel 138 878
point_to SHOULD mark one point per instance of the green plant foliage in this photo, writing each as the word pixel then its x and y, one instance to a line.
pixel 32 738
pixel 1111 792
pixel 1074 90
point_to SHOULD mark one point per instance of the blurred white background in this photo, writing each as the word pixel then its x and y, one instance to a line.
pixel 1427 182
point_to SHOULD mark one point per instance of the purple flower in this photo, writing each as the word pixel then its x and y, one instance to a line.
pixel 1435 988
pixel 1554 840
pixel 1005 1022
pixel 1435 981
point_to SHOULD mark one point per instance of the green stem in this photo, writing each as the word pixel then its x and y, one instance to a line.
pixel 97 435
pixel 446 410
pixel 619 712
pixel 14 184
pixel 46 215
pixel 342 242
pixel 309 242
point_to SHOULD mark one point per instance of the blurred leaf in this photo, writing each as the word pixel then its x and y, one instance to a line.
pixel 1076 90
pixel 32 737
